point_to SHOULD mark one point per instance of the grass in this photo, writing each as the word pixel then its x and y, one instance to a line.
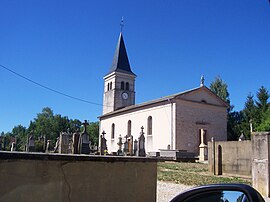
pixel 193 174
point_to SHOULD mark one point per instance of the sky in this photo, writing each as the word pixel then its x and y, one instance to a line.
pixel 68 46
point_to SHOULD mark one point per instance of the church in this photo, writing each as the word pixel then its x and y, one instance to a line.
pixel 174 122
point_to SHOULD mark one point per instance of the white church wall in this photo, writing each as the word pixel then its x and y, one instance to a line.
pixel 191 117
pixel 161 127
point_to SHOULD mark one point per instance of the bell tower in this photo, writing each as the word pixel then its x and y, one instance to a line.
pixel 119 83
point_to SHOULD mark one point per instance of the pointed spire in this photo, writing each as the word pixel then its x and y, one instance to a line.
pixel 120 61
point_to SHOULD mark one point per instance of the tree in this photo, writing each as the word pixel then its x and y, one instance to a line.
pixel 234 125
pixel 249 115
pixel 262 104
pixel 265 123
pixel 93 130
pixel 220 88
pixel 20 133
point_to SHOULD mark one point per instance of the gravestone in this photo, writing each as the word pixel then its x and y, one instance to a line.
pixel 75 142
pixel 126 145
pixel 203 147
pixel 13 143
pixel 84 140
pixel 142 143
pixel 13 146
pixel 136 148
pixel 103 144
pixel 48 146
pixel 31 144
pixel 120 143
pixel 42 140
pixel 56 147
pixel 63 143
pixel 130 145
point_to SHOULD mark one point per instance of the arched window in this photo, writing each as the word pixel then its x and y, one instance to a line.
pixel 122 85
pixel 113 131
pixel 129 128
pixel 127 86
pixel 110 85
pixel 149 125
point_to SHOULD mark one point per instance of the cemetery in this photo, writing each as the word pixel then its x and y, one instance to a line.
pixel 73 169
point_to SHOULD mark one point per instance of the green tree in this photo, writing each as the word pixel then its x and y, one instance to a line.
pixel 249 115
pixel 262 96
pixel 234 125
pixel 265 123
pixel 74 124
pixel 220 88
pixel 93 130
pixel 20 133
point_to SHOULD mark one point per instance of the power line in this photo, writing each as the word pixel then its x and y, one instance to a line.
pixel 50 89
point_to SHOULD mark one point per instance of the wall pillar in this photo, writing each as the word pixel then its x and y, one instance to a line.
pixel 260 162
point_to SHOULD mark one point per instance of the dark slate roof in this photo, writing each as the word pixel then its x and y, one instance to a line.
pixel 120 61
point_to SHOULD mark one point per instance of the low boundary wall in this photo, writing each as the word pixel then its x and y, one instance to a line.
pixel 56 177
pixel 230 157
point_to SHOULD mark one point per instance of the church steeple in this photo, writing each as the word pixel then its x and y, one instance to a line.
pixel 120 61
pixel 119 83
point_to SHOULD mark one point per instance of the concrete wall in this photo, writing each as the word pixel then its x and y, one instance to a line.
pixel 261 162
pixel 48 177
pixel 232 157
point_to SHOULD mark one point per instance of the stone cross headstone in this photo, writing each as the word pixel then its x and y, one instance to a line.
pixel 120 143
pixel 142 143
pixel 75 142
pixel 84 140
pixel 103 143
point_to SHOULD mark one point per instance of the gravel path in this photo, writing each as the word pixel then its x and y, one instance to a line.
pixel 167 190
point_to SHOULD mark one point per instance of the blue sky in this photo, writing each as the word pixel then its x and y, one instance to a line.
pixel 69 45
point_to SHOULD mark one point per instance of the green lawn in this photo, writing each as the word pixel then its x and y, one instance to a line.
pixel 193 174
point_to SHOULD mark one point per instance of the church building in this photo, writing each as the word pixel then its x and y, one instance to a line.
pixel 173 122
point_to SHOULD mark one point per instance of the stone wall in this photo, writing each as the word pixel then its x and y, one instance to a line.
pixel 55 177
pixel 194 116
pixel 232 157
pixel 261 163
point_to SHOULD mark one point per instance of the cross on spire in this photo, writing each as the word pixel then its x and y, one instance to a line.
pixel 122 24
